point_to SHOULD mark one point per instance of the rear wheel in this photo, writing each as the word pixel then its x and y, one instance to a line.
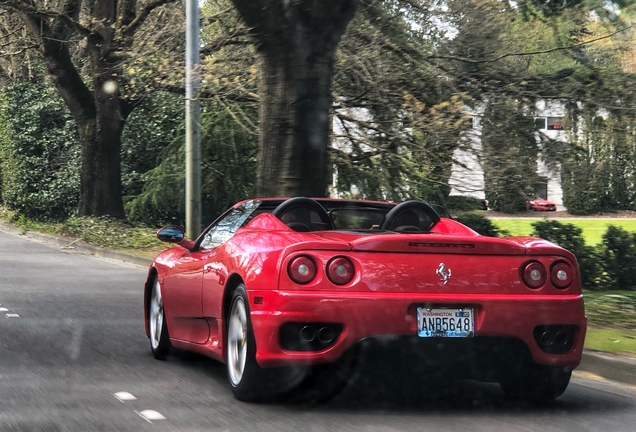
pixel 248 381
pixel 536 383
pixel 159 340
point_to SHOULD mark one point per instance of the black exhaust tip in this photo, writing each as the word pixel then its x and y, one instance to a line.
pixel 555 339
pixel 306 336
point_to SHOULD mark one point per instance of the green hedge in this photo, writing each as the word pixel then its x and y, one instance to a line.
pixel 39 152
pixel 481 224
pixel 618 259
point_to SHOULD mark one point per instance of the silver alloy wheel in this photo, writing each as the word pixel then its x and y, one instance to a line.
pixel 237 341
pixel 156 316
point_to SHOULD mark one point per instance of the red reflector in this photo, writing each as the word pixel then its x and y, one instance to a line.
pixel 258 300
pixel 302 270
pixel 340 270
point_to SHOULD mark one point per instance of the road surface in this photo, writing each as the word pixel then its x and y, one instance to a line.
pixel 74 357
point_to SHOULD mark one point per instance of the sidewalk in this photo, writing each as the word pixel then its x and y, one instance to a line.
pixel 610 366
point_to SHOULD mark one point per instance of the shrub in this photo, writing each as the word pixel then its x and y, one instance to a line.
pixel 481 224
pixel 39 152
pixel 510 154
pixel 599 165
pixel 619 259
pixel 570 237
pixel 464 203
pixel 228 169
pixel 150 129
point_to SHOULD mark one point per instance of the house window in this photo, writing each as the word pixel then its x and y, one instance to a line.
pixel 539 123
pixel 555 123
pixel 474 122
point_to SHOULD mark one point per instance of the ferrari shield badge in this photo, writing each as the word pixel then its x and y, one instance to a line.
pixel 443 272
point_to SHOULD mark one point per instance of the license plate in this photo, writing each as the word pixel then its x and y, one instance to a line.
pixel 445 322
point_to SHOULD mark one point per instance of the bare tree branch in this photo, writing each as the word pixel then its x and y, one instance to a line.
pixel 207 20
pixel 531 53
pixel 143 14
pixel 25 8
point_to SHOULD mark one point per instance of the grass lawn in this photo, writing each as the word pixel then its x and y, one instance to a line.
pixel 611 340
pixel 611 321
pixel 593 229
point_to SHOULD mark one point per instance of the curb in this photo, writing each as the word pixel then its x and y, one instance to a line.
pixel 76 245
pixel 613 367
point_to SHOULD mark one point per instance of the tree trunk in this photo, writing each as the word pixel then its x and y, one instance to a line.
pixel 296 43
pixel 98 115
pixel 100 138
pixel 100 179
pixel 100 112
pixel 294 118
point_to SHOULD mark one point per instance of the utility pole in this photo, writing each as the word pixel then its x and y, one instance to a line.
pixel 193 117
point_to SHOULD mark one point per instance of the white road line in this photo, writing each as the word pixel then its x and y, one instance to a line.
pixel 12 315
pixel 124 396
pixel 4 309
pixel 150 415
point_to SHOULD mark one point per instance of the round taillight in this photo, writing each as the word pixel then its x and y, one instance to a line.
pixel 302 270
pixel 561 275
pixel 340 270
pixel 534 274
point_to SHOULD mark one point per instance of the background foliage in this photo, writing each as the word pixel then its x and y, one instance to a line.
pixel 407 75
pixel 228 164
pixel 39 152
pixel 600 166
pixel 510 154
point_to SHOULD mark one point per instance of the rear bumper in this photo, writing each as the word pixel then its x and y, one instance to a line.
pixel 364 315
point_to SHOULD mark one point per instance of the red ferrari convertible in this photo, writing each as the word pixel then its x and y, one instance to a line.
pixel 540 204
pixel 284 290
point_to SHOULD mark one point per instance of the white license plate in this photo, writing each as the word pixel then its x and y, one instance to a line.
pixel 445 322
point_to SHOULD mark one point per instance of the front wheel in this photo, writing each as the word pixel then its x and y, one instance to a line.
pixel 159 340
pixel 536 383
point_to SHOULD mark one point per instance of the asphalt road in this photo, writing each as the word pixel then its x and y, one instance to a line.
pixel 72 340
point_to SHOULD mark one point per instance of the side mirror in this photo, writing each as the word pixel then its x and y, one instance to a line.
pixel 171 234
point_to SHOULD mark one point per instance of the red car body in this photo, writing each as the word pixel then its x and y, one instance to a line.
pixel 540 205
pixel 446 269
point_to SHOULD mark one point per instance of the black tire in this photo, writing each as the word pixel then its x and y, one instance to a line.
pixel 536 383
pixel 159 339
pixel 250 382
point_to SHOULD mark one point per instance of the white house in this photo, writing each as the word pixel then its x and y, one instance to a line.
pixel 467 176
